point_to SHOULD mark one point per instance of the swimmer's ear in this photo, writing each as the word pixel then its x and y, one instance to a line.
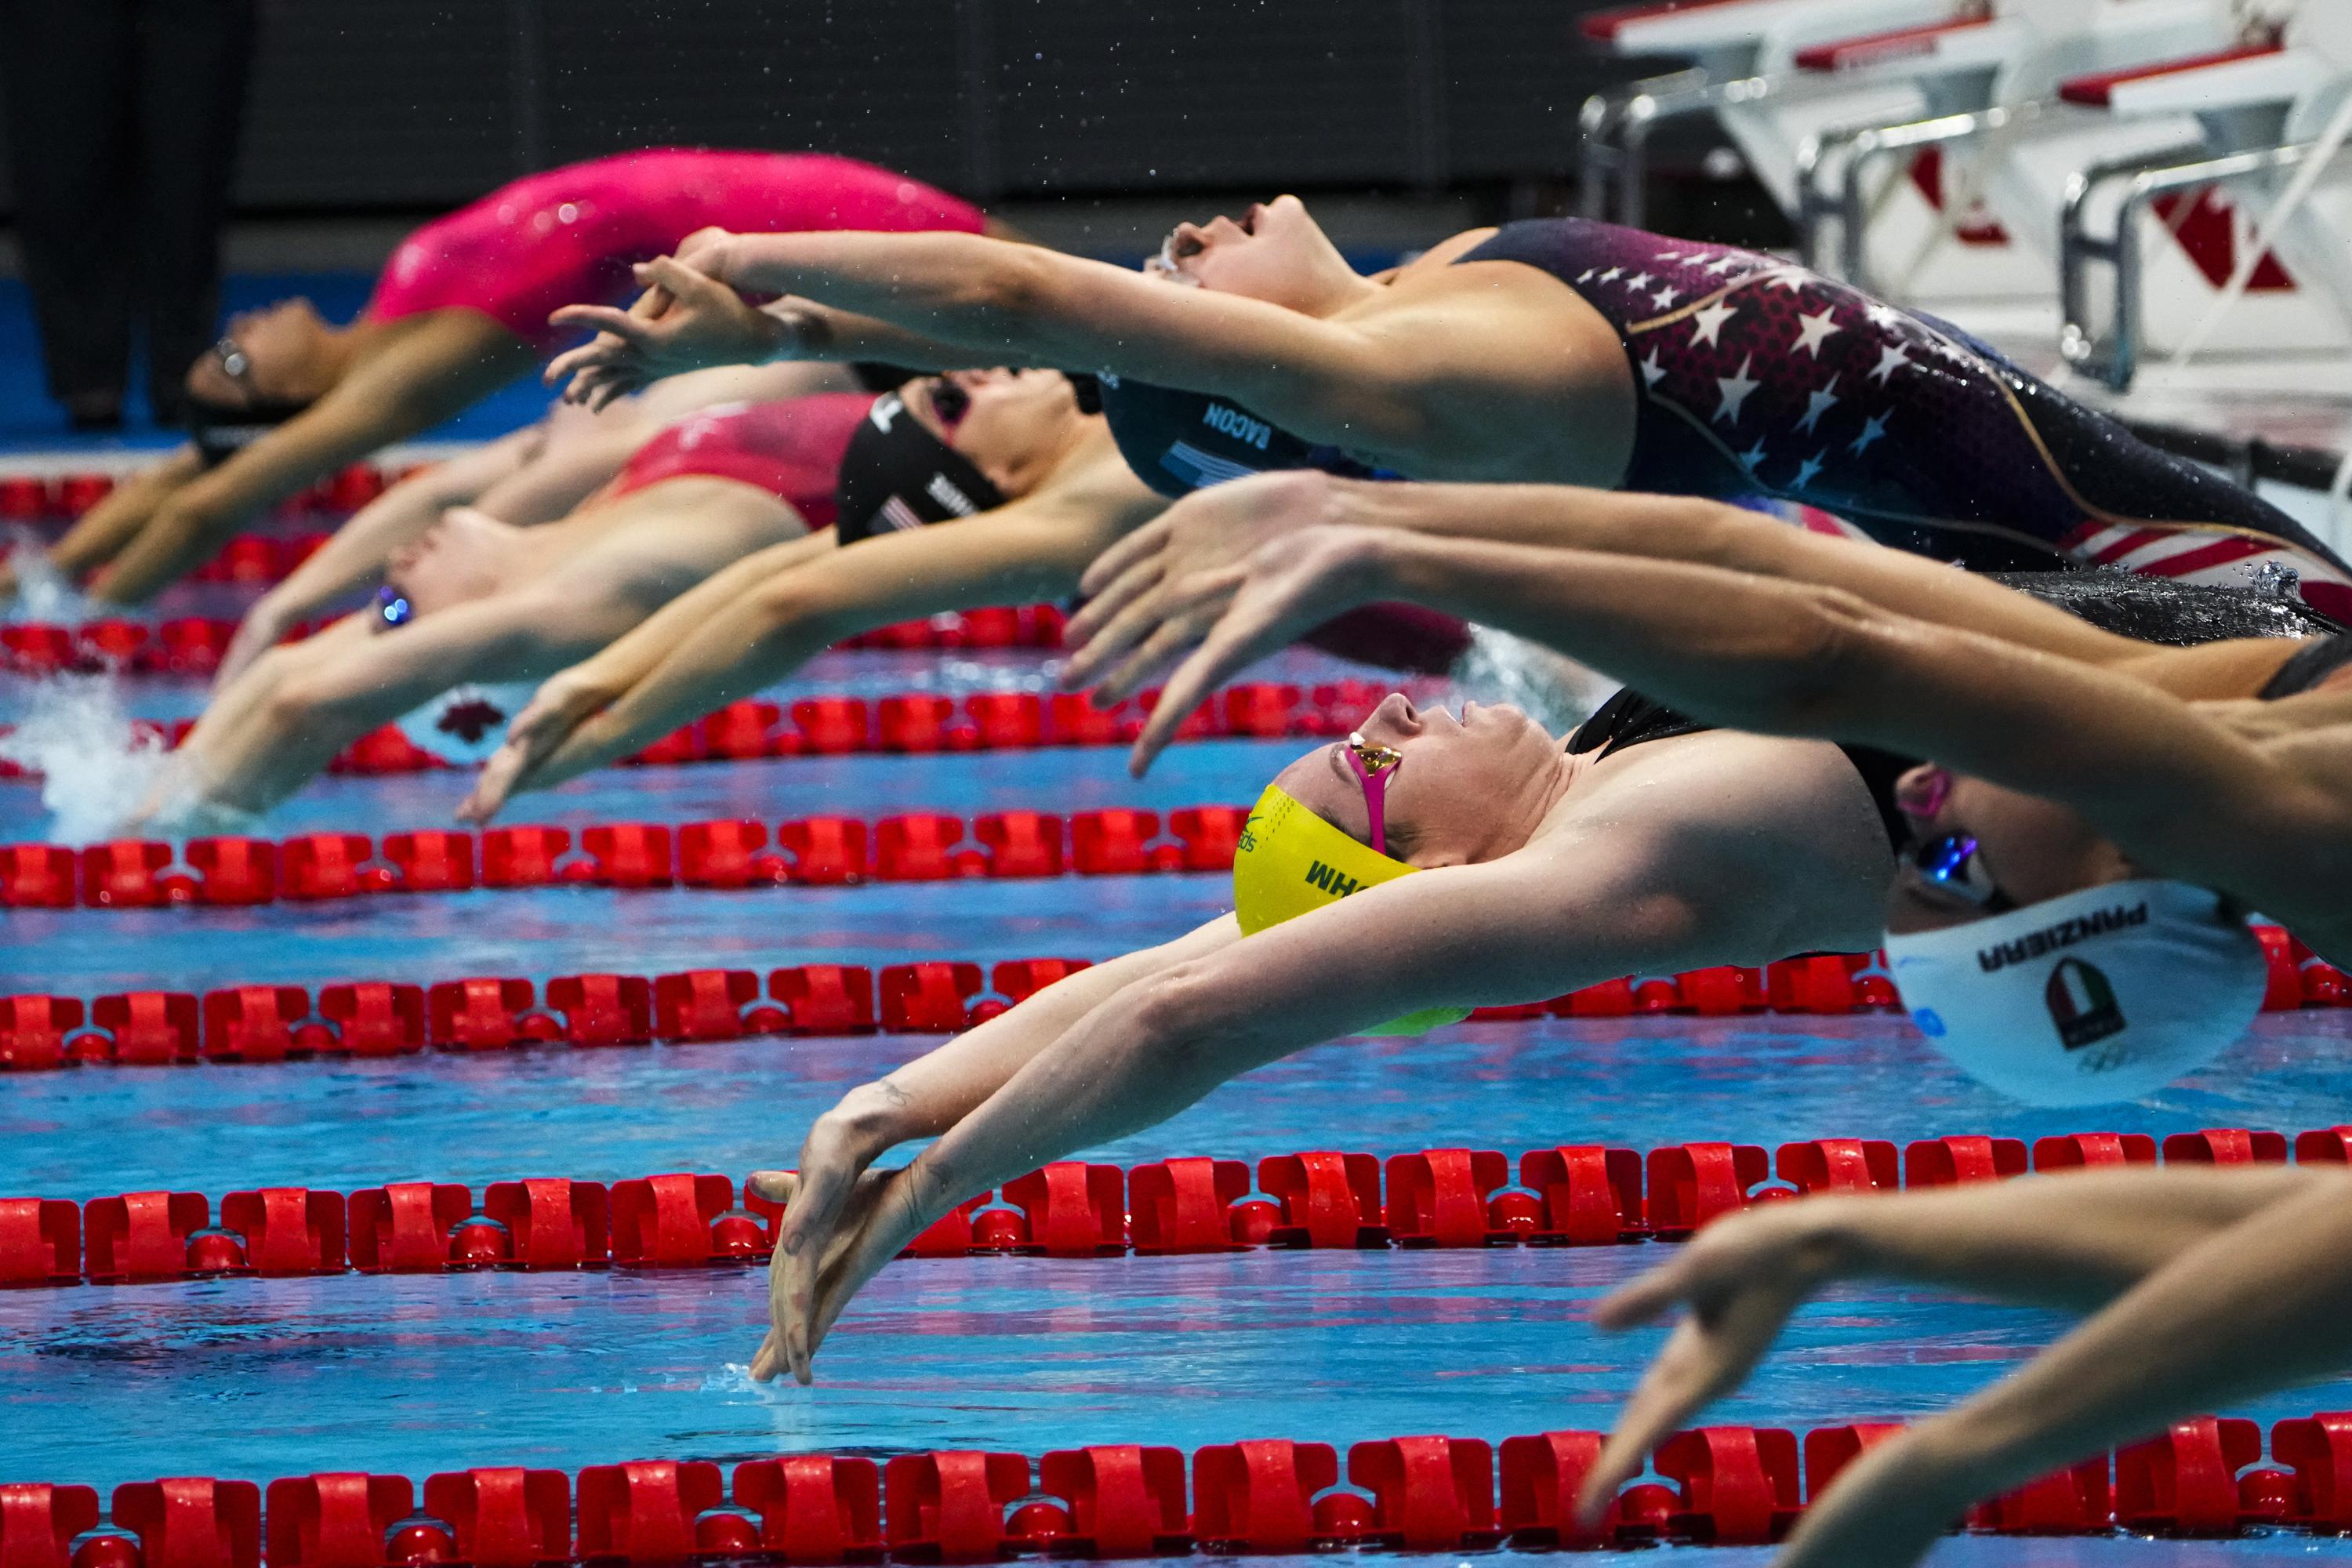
pixel 776 1186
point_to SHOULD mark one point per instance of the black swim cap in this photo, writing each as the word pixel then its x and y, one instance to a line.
pixel 1179 442
pixel 875 376
pixel 896 474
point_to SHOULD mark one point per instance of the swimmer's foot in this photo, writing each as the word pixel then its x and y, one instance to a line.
pixel 469 554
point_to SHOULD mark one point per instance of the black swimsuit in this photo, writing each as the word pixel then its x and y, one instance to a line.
pixel 2310 666
pixel 2176 615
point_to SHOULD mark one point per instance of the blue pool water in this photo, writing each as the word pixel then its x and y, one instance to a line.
pixel 407 1375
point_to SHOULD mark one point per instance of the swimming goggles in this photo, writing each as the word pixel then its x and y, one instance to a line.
pixel 392 606
pixel 1952 862
pixel 1375 766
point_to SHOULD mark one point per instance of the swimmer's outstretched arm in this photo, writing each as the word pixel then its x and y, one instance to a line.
pixel 1157 592
pixel 2205 1287
pixel 354 555
pixel 428 373
pixel 1031 549
pixel 925 1098
pixel 2182 793
pixel 275 746
pixel 1432 378
pixel 1649 894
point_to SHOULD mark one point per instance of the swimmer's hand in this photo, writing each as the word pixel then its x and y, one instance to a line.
pixel 562 703
pixel 1739 1278
pixel 1157 592
pixel 842 1223
pixel 1268 602
pixel 684 320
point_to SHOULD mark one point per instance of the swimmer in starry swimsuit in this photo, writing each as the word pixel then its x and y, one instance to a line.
pixel 286 400
pixel 1557 351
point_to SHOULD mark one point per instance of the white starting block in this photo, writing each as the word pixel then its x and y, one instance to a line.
pixel 2180 233
pixel 1743 72
pixel 1951 206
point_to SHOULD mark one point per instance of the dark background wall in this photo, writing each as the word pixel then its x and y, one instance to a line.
pixel 364 105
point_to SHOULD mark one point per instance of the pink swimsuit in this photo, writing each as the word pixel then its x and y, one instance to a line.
pixel 792 449
pixel 569 237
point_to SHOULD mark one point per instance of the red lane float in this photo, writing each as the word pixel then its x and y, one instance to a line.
pixel 751 729
pixel 380 1018
pixel 731 855
pixel 1577 1195
pixel 1711 1486
pixel 194 646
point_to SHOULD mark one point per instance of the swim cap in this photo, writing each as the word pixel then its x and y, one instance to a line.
pixel 466 723
pixel 1179 442
pixel 2105 993
pixel 1289 861
pixel 896 475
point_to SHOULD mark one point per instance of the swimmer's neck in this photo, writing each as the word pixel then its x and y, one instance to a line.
pixel 1553 787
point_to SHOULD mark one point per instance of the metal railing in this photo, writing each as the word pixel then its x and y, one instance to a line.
pixel 1614 150
pixel 1852 150
pixel 2115 359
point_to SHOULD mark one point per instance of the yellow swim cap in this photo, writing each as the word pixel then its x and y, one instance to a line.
pixel 1289 861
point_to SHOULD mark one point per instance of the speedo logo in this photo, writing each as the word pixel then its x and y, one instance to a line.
pixel 1331 881
pixel 2065 933
pixel 1239 426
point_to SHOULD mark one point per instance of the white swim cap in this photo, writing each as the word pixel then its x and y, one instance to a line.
pixel 466 723
pixel 2103 995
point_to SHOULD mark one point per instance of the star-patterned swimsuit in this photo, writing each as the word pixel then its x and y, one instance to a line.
pixel 1759 377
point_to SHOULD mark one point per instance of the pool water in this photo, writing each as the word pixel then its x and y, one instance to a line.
pixel 408 1374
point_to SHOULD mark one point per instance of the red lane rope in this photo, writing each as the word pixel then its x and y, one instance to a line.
pixel 1572 1195
pixel 194 644
pixel 728 854
pixel 1711 1486
pixel 922 722
pixel 271 1023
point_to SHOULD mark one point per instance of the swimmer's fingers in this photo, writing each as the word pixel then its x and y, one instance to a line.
pixel 1099 614
pixel 1645 1300
pixel 1251 627
pixel 1136 607
pixel 1115 562
pixel 1670 1391
pixel 895 1218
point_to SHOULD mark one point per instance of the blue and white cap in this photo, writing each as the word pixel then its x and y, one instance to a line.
pixel 2101 995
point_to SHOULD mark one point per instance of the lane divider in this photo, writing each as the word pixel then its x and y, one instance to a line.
pixel 731 854
pixel 921 723
pixel 194 644
pixel 33 498
pixel 1572 1195
pixel 1727 1486
pixel 267 1023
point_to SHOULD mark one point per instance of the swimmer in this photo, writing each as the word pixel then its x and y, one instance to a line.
pixel 286 399
pixel 474 604
pixel 1433 863
pixel 938 450
pixel 2199 1288
pixel 2067 918
pixel 528 477
pixel 1555 350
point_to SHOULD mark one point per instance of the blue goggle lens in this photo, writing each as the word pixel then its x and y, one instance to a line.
pixel 392 605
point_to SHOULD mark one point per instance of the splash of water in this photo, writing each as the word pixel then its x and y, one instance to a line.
pixel 97 766
pixel 1549 687
pixel 42 592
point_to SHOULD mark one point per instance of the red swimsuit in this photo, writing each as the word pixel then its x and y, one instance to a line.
pixel 792 449
pixel 569 237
